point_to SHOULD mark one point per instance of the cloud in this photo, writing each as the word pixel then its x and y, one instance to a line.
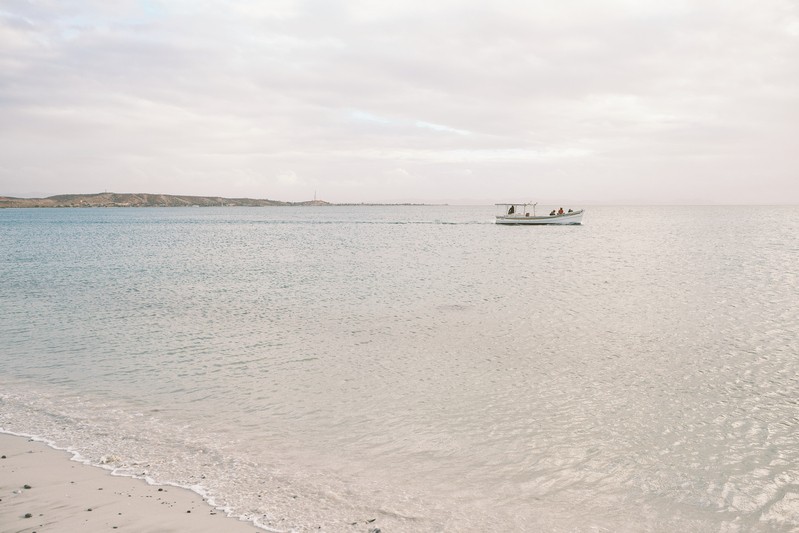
pixel 595 99
pixel 441 127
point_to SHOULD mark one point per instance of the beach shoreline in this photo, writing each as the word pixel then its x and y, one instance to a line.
pixel 44 489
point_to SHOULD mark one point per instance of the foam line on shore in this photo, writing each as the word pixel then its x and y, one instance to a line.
pixel 40 487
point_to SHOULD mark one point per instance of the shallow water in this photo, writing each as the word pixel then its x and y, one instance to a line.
pixel 419 366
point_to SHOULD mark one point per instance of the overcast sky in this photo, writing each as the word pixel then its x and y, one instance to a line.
pixel 587 101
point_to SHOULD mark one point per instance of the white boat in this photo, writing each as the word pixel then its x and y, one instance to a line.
pixel 519 214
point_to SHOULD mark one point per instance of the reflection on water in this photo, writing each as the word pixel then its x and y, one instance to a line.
pixel 419 365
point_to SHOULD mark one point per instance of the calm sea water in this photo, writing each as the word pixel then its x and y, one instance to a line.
pixel 419 366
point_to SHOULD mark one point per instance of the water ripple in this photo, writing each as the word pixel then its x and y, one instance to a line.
pixel 419 364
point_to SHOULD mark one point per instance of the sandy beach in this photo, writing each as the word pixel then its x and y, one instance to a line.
pixel 42 489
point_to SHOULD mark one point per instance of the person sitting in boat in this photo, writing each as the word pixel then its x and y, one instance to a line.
pixel 560 211
pixel 570 211
pixel 511 210
pixel 552 214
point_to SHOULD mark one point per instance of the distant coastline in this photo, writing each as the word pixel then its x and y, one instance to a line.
pixel 110 199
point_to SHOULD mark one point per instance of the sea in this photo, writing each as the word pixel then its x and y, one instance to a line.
pixel 417 368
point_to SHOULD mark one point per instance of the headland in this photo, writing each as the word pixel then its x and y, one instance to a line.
pixel 110 199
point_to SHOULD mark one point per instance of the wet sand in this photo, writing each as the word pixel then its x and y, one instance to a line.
pixel 42 489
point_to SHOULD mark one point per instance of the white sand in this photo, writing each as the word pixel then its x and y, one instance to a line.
pixel 66 496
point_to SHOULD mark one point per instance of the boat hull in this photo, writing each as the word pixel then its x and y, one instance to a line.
pixel 521 220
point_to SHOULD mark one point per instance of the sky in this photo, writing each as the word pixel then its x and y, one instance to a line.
pixel 578 101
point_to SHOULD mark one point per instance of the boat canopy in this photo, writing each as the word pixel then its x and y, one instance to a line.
pixel 517 208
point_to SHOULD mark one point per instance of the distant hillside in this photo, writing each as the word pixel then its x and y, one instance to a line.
pixel 109 199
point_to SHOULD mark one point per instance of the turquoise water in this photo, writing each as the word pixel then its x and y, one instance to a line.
pixel 420 366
